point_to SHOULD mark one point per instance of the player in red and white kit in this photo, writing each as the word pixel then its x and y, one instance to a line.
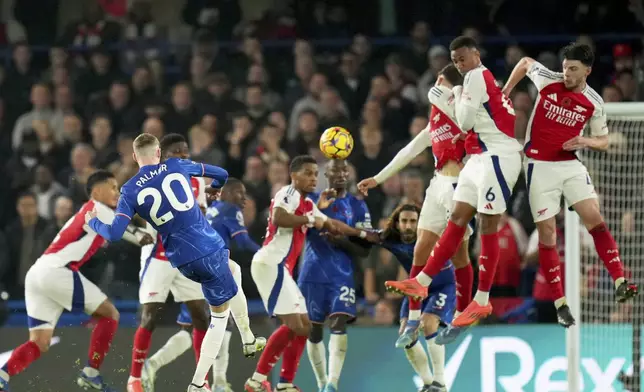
pixel 291 213
pixel 54 284
pixel 484 185
pixel 439 135
pixel 563 108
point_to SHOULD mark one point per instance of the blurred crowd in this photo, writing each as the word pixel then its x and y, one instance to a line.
pixel 250 107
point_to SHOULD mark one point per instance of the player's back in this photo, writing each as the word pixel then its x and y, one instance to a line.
pixel 443 127
pixel 324 262
pixel 162 195
pixel 559 115
pixel 224 217
pixel 493 129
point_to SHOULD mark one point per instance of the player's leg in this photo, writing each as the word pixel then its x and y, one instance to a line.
pixel 218 287
pixel 415 352
pixel 338 343
pixel 316 297
pixel 282 298
pixel 291 357
pixel 580 194
pixel 141 345
pixel 43 313
pixel 494 190
pixel 436 352
pixel 239 310
pixel 440 306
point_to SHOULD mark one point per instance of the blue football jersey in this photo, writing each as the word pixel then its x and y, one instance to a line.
pixel 404 253
pixel 323 261
pixel 162 195
pixel 227 219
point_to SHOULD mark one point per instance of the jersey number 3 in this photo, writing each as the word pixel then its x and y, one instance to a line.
pixel 170 196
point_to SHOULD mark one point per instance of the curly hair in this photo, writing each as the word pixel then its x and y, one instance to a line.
pixel 391 232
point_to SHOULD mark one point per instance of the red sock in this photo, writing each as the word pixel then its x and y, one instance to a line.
pixel 488 260
pixel 550 265
pixel 291 358
pixel 21 358
pixel 197 339
pixel 142 339
pixel 444 248
pixel 607 250
pixel 275 346
pixel 464 282
pixel 413 303
pixel 101 340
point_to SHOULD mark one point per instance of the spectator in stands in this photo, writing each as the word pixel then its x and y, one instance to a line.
pixel 198 72
pixel 278 174
pixel 269 145
pixel 218 17
pixel 141 34
pixel 99 76
pixel 21 166
pixel 154 127
pixel 182 114
pixel 386 313
pixel 238 141
pixel 46 190
pixel 49 150
pixel 92 30
pixel 20 77
pixel 626 82
pixel 255 106
pixel 352 86
pixel 63 105
pixel 400 79
pixel 424 159
pixel 308 133
pixel 373 156
pixel 311 101
pixel 72 132
pixel 218 96
pixel 203 147
pixel 75 177
pixel 143 86
pixel 117 104
pixel 24 240
pixel 415 56
pixel 255 181
pixel 101 135
pixel 41 101
pixel 396 110
pixel 391 198
pixel 438 58
pixel 257 74
pixel 413 188
pixel 612 93
pixel 63 209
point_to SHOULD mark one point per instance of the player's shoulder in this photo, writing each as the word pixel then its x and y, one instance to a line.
pixel 228 208
pixel 287 191
pixel 439 93
pixel 478 73
pixel 593 97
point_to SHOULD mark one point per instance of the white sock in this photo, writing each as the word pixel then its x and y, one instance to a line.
pixel 619 281
pixel 418 359
pixel 317 357
pixel 482 297
pixel 90 371
pixel 178 344
pixel 456 314
pixel 211 345
pixel 337 352
pixel 424 279
pixel 259 377
pixel 437 354
pixel 414 314
pixel 239 306
pixel 220 368
pixel 559 302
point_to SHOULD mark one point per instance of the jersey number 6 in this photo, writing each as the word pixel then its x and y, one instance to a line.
pixel 170 196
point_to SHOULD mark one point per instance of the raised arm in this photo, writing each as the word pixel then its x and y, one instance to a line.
pixel 518 73
pixel 540 75
pixel 196 169
pixel 115 230
pixel 405 155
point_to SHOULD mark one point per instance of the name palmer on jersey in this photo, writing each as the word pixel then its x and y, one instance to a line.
pixel 148 176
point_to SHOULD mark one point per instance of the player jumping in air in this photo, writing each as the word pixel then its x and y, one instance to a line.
pixel 290 215
pixel 438 204
pixel 399 237
pixel 158 278
pixel 226 217
pixel 485 183
pixel 162 195
pixel 54 283
pixel 326 278
pixel 564 106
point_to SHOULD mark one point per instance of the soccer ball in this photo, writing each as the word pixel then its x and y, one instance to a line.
pixel 336 143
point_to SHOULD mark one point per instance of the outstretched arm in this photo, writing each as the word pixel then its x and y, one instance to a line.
pixel 518 73
pixel 114 231
pixel 405 155
pixel 218 175
pixel 243 240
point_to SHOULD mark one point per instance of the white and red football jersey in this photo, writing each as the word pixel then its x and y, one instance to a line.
pixel 76 242
pixel 157 250
pixel 443 127
pixel 559 115
pixel 493 129
pixel 284 245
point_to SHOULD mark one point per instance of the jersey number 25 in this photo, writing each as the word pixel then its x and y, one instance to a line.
pixel 169 195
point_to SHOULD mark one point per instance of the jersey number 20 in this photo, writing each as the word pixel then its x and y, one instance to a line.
pixel 170 196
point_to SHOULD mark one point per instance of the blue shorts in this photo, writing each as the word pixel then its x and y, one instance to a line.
pixel 441 300
pixel 184 317
pixel 213 273
pixel 323 300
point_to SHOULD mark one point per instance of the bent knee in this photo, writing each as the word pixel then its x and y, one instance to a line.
pixel 317 333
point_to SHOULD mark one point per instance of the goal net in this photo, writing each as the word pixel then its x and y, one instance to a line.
pixel 609 333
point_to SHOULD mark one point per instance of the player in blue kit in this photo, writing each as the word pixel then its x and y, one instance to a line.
pixel 326 278
pixel 162 195
pixel 399 237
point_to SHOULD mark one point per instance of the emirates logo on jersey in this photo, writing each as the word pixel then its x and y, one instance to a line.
pixel 442 133
pixel 563 116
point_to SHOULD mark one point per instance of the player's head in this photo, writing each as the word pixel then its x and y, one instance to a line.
pixel 578 61
pixel 403 223
pixel 337 173
pixel 174 145
pixel 146 150
pixel 234 192
pixel 465 54
pixel 450 76
pixel 102 187
pixel 304 173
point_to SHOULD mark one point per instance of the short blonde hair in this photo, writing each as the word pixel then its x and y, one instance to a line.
pixel 145 144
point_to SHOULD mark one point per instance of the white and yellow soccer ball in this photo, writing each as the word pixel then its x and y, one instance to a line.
pixel 336 143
